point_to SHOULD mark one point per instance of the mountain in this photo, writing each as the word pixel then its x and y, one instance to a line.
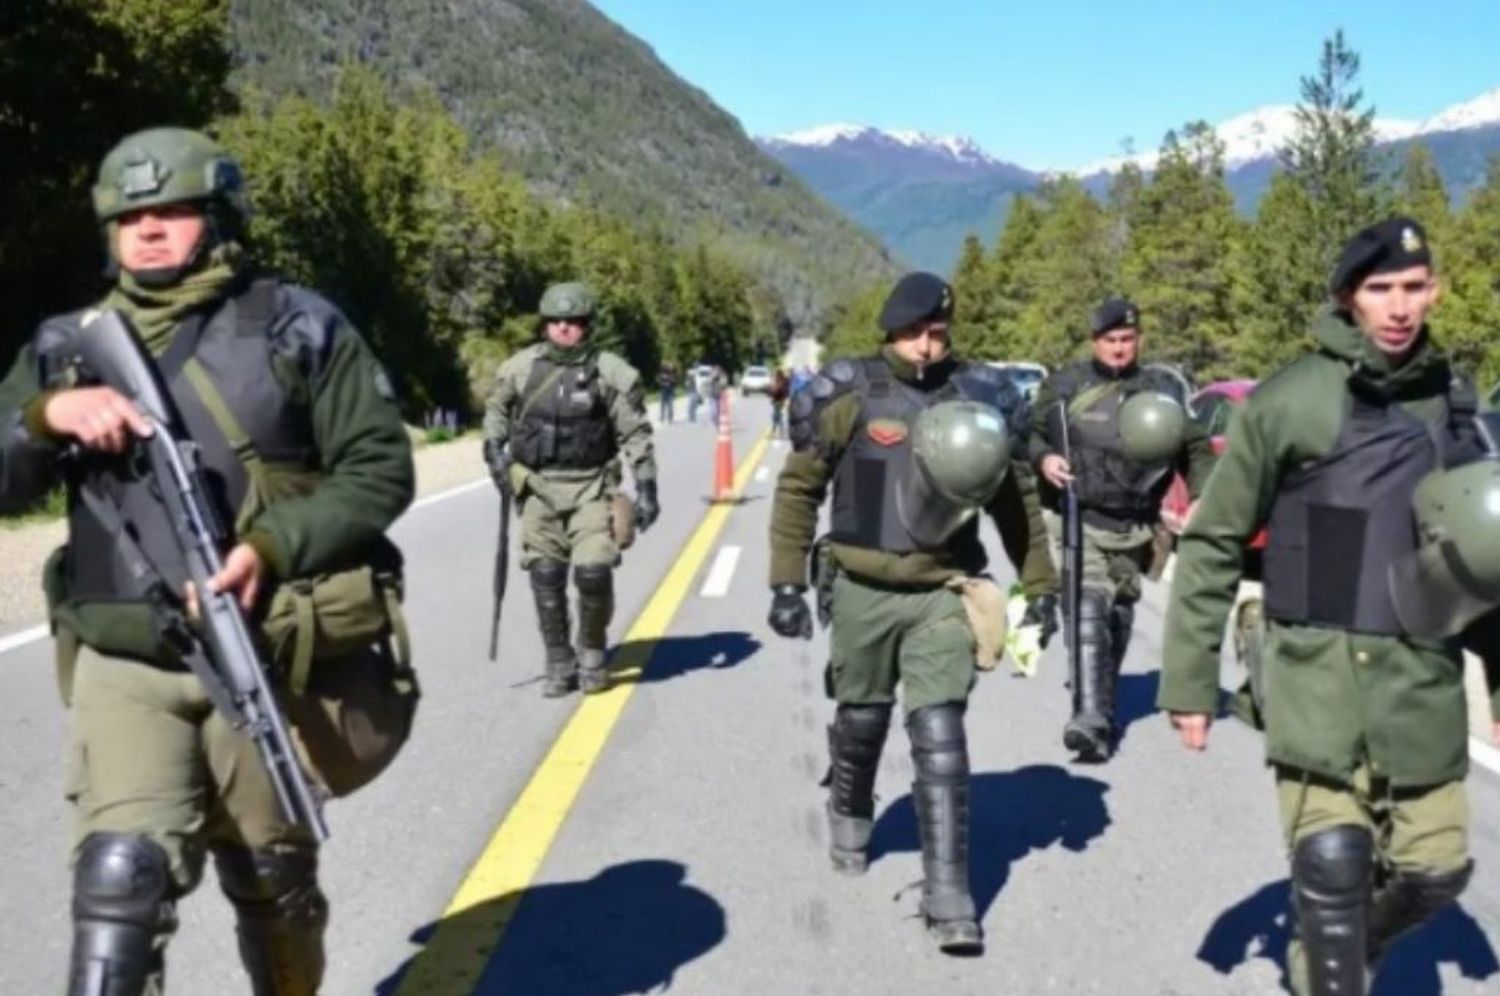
pixel 922 194
pixel 587 113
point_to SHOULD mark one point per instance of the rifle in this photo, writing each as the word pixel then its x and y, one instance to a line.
pixel 502 561
pixel 221 652
pixel 1072 528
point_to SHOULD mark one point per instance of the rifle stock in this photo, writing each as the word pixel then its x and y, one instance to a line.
pixel 1072 544
pixel 502 566
pixel 222 653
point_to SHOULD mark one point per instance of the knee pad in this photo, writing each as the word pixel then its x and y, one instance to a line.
pixel 938 747
pixel 1335 865
pixel 594 580
pixel 861 729
pixel 549 576
pixel 1410 899
pixel 279 882
pixel 124 878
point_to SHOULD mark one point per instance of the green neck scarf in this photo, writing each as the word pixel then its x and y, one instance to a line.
pixel 156 311
pixel 568 357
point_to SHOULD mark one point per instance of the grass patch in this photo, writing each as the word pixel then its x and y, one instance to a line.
pixel 49 509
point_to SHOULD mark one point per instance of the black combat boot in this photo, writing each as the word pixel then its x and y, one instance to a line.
pixel 1090 731
pixel 122 915
pixel 596 605
pixel 281 915
pixel 855 740
pixel 941 794
pixel 549 583
pixel 1407 901
pixel 1331 872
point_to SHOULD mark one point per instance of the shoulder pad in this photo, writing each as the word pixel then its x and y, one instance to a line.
pixel 306 327
pixel 616 371
pixel 807 405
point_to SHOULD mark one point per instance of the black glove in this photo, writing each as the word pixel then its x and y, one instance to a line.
pixel 498 458
pixel 1042 611
pixel 646 509
pixel 790 616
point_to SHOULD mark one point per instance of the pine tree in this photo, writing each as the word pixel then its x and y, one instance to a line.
pixel 973 300
pixel 1176 265
pixel 1468 319
pixel 1067 275
pixel 1420 194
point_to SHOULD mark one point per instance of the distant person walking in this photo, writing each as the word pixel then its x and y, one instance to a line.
pixel 781 390
pixel 717 382
pixel 666 382
pixel 694 394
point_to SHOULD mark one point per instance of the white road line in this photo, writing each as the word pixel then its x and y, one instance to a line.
pixel 35 633
pixel 716 585
pixel 450 493
pixel 761 473
pixel 24 637
pixel 1484 755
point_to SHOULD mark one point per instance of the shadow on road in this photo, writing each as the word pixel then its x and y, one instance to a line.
pixel 1135 699
pixel 1260 927
pixel 674 656
pixel 626 930
pixel 1012 814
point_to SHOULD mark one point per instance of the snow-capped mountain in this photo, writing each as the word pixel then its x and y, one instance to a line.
pixel 921 193
pixel 955 147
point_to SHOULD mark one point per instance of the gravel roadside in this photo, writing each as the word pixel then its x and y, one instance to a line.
pixel 23 550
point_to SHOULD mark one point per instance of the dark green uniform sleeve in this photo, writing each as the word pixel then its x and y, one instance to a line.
pixel 1017 513
pixel 801 488
pixel 368 478
pixel 1197 459
pixel 28 459
pixel 1210 563
pixel 627 410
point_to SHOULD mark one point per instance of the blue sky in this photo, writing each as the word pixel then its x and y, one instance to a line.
pixel 1055 83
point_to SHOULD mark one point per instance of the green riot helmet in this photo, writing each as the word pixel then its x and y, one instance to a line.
pixel 960 455
pixel 168 166
pixel 567 301
pixel 1453 577
pixel 1152 427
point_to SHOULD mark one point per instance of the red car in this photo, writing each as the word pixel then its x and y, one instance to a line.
pixel 1212 407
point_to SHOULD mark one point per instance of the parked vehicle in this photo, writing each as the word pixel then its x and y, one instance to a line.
pixel 1027 376
pixel 755 380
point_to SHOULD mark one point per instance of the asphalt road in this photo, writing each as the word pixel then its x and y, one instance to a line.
pixel 693 859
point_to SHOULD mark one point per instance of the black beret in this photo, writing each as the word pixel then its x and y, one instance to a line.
pixel 1394 244
pixel 1115 313
pixel 917 297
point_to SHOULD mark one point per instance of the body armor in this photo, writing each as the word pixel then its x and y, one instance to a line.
pixel 260 374
pixel 1338 523
pixel 564 420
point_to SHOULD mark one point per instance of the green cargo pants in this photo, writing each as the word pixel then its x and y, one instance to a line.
pixel 882 639
pixel 1421 829
pixel 567 520
pixel 1113 562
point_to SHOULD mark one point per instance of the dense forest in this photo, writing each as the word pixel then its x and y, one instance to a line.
pixel 1220 295
pixel 366 185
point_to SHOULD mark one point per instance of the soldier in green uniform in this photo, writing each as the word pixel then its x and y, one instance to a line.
pixel 1364 719
pixel 303 450
pixel 904 554
pixel 561 418
pixel 1119 500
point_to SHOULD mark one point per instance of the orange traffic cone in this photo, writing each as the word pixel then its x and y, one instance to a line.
pixel 724 455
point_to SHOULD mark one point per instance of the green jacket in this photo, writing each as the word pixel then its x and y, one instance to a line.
pixel 622 393
pixel 367 477
pixel 803 485
pixel 1331 698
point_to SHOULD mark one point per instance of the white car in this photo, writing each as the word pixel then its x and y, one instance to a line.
pixel 755 380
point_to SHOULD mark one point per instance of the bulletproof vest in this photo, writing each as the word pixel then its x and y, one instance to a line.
pixel 564 420
pixel 1112 489
pixel 1338 523
pixel 233 349
pixel 879 456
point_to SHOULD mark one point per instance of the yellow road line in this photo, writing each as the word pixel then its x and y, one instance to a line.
pixel 468 934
